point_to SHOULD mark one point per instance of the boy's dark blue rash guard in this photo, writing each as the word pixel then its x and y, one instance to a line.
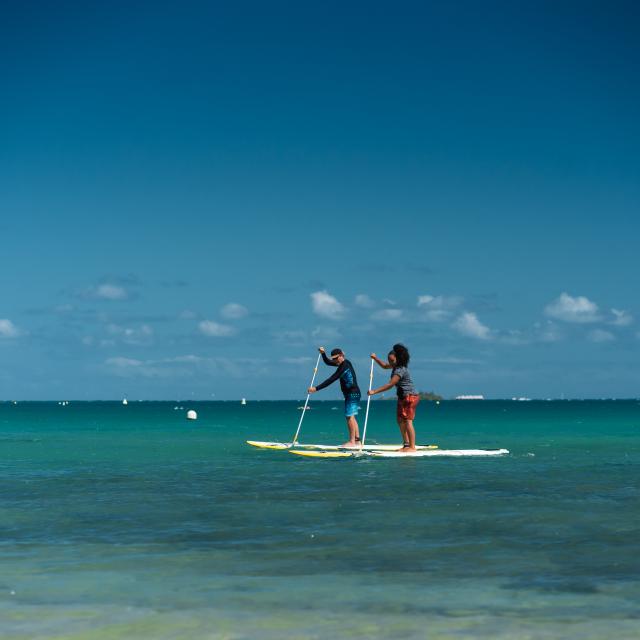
pixel 347 375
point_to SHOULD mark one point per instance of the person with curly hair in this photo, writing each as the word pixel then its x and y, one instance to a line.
pixel 408 397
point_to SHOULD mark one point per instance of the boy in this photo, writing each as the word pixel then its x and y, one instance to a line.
pixel 350 390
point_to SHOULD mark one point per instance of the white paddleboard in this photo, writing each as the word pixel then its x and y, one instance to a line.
pixel 456 453
pixel 330 447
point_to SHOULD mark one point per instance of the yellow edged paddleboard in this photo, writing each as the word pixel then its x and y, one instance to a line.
pixel 322 454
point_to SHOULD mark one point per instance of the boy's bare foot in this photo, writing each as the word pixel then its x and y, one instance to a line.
pixel 350 445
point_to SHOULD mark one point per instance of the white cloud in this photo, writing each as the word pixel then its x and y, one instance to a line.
pixel 186 366
pixel 514 337
pixel 364 301
pixel 64 308
pixel 621 318
pixel 187 358
pixel 124 362
pixel 570 309
pixel 325 334
pixel 438 308
pixel 141 335
pixel 298 361
pixel 187 314
pixel 547 332
pixel 325 305
pixel 469 325
pixel 111 292
pixel 234 311
pixel 131 367
pixel 293 337
pixel 387 314
pixel 450 360
pixel 215 329
pixel 302 338
pixel 600 335
pixel 8 329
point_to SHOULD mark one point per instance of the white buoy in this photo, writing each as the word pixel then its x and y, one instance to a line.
pixel 192 415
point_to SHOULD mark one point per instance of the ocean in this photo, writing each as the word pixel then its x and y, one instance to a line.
pixel 132 522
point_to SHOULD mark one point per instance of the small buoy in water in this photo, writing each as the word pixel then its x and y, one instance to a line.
pixel 192 415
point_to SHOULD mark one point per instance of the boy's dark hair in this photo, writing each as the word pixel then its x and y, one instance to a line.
pixel 402 355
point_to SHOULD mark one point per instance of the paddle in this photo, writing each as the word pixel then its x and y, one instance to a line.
pixel 306 402
pixel 366 415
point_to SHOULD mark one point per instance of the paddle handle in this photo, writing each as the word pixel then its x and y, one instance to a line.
pixel 306 402
pixel 366 415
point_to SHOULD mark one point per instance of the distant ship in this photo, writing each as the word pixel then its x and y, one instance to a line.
pixel 243 401
pixel 125 401
pixel 469 397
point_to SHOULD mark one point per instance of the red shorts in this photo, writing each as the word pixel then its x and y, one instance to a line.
pixel 407 407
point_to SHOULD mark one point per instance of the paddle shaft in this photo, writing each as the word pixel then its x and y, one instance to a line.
pixel 306 402
pixel 366 415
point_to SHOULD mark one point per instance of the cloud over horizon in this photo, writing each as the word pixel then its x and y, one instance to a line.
pixel 469 325
pixel 234 311
pixel 8 329
pixel 571 309
pixel 327 306
pixel 621 318
pixel 438 308
pixel 215 329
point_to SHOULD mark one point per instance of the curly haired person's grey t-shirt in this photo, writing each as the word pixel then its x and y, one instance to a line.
pixel 404 387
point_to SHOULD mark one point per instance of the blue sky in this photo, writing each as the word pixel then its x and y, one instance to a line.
pixel 194 197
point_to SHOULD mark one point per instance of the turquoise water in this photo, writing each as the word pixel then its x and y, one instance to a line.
pixel 131 522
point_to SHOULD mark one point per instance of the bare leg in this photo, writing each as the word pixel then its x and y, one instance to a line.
pixel 403 430
pixel 354 432
pixel 411 435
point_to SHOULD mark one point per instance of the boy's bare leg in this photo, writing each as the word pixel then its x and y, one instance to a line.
pixel 354 433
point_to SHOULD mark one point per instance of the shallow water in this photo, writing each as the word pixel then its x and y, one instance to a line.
pixel 121 522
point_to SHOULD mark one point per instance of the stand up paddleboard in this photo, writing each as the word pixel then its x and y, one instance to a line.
pixel 330 447
pixel 455 453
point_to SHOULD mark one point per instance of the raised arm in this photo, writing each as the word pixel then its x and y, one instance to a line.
pixel 328 361
pixel 381 363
